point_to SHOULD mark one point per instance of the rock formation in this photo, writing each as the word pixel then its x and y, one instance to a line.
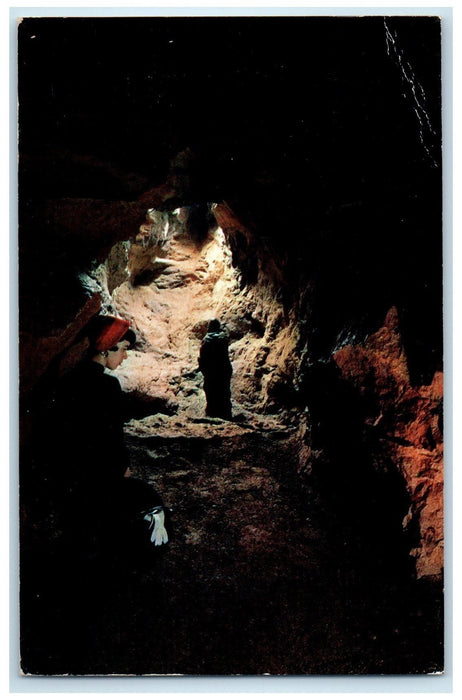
pixel 408 423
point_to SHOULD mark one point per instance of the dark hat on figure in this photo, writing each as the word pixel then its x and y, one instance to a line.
pixel 106 331
pixel 214 325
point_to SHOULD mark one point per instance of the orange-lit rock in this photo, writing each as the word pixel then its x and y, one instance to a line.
pixel 409 423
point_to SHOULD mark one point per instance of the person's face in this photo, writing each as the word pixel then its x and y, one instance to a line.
pixel 116 357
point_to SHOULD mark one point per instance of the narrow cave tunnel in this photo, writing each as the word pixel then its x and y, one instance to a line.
pixel 308 527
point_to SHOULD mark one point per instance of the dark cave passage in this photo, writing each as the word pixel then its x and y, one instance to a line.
pixel 271 172
pixel 273 567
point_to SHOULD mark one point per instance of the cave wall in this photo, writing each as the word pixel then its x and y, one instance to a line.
pixel 366 425
pixel 320 141
pixel 407 423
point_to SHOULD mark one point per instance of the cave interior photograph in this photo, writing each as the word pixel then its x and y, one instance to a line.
pixel 230 291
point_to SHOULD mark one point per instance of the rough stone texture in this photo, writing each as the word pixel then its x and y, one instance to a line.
pixel 194 283
pixel 169 313
pixel 409 423
pixel 37 353
pixel 116 266
pixel 185 285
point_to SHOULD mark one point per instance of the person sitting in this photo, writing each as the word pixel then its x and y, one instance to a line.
pixel 86 523
pixel 92 473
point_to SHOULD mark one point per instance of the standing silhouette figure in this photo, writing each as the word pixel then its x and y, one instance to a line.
pixel 215 365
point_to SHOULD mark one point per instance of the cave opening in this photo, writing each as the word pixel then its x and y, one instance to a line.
pixel 177 273
pixel 178 276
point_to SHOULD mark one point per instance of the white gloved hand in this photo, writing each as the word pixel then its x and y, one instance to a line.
pixel 156 519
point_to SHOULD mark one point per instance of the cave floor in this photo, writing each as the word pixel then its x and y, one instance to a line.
pixel 257 579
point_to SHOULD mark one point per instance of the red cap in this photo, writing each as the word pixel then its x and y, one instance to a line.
pixel 108 331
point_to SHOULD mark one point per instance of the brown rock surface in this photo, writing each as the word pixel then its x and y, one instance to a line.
pixel 188 284
pixel 261 589
pixel 409 422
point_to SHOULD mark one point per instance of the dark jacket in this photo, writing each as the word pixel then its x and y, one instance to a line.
pixel 215 365
pixel 81 459
pixel 214 359
pixel 89 425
